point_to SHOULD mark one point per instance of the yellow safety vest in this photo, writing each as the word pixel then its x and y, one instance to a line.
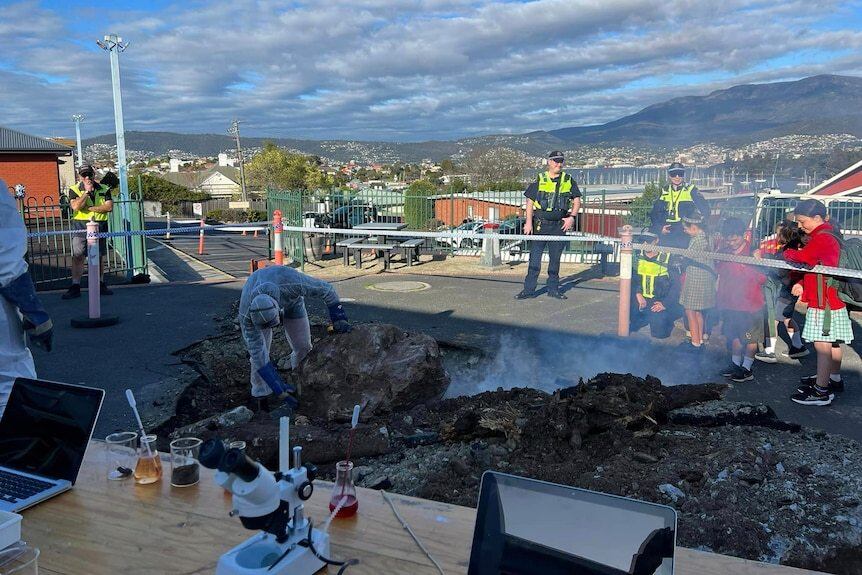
pixel 548 192
pixel 673 198
pixel 100 193
pixel 649 270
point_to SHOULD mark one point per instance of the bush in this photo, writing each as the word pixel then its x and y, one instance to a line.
pixel 236 216
pixel 639 209
pixel 418 209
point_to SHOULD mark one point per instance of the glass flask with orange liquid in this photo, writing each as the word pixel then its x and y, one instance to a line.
pixel 149 467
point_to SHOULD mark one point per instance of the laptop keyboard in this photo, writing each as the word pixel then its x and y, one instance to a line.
pixel 14 487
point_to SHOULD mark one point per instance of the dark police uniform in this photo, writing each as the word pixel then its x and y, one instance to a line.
pixel 674 203
pixel 551 198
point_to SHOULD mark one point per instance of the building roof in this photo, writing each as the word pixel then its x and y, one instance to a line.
pixel 847 182
pixel 193 180
pixel 15 141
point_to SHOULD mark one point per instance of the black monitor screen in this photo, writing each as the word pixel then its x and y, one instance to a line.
pixel 46 427
pixel 527 526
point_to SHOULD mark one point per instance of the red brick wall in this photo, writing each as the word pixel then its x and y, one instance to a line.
pixel 38 172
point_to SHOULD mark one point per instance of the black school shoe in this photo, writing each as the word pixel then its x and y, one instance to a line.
pixel 742 374
pixel 806 383
pixel 797 352
pixel 557 294
pixel 813 396
pixel 730 370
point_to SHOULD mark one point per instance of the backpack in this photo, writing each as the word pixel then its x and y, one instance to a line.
pixel 849 289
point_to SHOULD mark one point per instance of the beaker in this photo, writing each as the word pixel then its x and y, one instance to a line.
pixel 344 492
pixel 185 468
pixel 149 466
pixel 120 454
pixel 19 559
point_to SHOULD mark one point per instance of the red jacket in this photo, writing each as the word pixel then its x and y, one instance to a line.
pixel 740 286
pixel 821 249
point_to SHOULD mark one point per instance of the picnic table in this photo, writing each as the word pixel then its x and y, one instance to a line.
pixel 380 247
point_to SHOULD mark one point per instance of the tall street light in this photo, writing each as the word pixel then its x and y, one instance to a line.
pixel 113 44
pixel 234 131
pixel 78 118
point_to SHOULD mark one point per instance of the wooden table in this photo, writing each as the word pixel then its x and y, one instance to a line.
pixel 111 527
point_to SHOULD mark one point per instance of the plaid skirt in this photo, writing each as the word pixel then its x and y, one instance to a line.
pixel 840 327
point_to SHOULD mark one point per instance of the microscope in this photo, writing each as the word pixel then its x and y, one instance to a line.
pixel 271 503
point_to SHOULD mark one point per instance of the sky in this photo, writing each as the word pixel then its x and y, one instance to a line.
pixel 400 70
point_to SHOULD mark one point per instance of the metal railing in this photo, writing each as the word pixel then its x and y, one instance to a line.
pixel 50 258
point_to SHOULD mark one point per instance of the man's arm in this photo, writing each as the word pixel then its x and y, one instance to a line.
pixel 530 193
pixel 105 208
pixel 254 341
pixel 79 202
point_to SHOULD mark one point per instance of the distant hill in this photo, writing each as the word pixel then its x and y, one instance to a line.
pixel 738 115
pixel 735 116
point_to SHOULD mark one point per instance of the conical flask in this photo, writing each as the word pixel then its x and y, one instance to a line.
pixel 344 492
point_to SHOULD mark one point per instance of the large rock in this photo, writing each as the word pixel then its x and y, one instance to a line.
pixel 378 366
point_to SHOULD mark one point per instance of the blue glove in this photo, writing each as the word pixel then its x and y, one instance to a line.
pixel 338 317
pixel 273 380
pixel 22 294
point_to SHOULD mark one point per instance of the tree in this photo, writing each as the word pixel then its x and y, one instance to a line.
pixel 418 208
pixel 156 189
pixel 639 209
pixel 448 166
pixel 276 169
pixel 496 164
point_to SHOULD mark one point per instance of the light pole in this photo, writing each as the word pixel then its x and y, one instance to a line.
pixel 113 44
pixel 78 118
pixel 234 131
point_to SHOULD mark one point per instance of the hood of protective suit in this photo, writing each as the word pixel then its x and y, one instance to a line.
pixel 13 238
pixel 264 311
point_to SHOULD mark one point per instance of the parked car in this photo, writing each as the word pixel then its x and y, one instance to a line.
pixel 465 243
pixel 349 216
pixel 512 226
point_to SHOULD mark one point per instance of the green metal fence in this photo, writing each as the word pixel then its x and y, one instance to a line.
pixel 291 205
pixel 117 257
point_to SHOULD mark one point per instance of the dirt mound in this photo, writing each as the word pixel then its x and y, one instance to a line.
pixel 744 483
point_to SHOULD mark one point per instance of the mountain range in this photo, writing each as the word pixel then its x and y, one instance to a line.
pixel 734 116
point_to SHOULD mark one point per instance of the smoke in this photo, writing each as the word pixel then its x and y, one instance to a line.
pixel 549 360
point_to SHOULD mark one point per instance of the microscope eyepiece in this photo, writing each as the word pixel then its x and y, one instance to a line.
pixel 211 453
pixel 236 462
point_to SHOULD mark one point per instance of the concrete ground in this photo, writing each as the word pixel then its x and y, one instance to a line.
pixel 540 342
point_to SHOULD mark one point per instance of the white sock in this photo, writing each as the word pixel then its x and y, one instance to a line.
pixel 795 339
pixel 747 362
pixel 835 376
pixel 736 359
pixel 771 347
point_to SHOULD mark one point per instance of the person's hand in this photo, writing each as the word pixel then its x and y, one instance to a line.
pixel 665 229
pixel 657 307
pixel 568 223
pixel 40 336
pixel 641 301
pixel 339 327
pixel 338 319
pixel 796 290
pixel 528 228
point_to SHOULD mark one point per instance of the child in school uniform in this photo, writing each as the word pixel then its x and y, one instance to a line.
pixel 698 289
pixel 827 323
pixel 780 303
pixel 740 298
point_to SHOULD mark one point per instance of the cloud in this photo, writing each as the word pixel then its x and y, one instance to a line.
pixel 405 70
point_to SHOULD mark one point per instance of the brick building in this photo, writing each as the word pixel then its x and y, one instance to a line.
pixel 33 162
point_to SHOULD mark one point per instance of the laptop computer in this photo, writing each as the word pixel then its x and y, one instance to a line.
pixel 44 434
pixel 525 526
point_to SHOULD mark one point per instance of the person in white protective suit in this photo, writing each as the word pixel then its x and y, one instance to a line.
pixel 21 313
pixel 276 295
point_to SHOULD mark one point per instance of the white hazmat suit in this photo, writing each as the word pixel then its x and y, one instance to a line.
pixel 15 357
pixel 288 288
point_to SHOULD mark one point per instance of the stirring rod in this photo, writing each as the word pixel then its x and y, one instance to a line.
pixel 134 406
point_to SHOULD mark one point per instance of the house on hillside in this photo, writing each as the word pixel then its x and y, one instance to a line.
pixel 218 181
pixel 33 162
pixel 846 183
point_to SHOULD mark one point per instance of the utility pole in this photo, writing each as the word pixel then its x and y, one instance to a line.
pixel 234 131
pixel 78 118
pixel 113 44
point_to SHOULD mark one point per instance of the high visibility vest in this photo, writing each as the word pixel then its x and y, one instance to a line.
pixel 100 193
pixel 673 198
pixel 548 198
pixel 650 270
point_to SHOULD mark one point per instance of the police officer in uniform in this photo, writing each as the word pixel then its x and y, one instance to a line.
pixel 655 299
pixel 553 202
pixel 88 200
pixel 677 199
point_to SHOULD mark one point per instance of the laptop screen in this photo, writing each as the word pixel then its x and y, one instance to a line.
pixel 528 526
pixel 46 427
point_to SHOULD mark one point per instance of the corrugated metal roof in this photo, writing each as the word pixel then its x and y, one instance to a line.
pixel 14 141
